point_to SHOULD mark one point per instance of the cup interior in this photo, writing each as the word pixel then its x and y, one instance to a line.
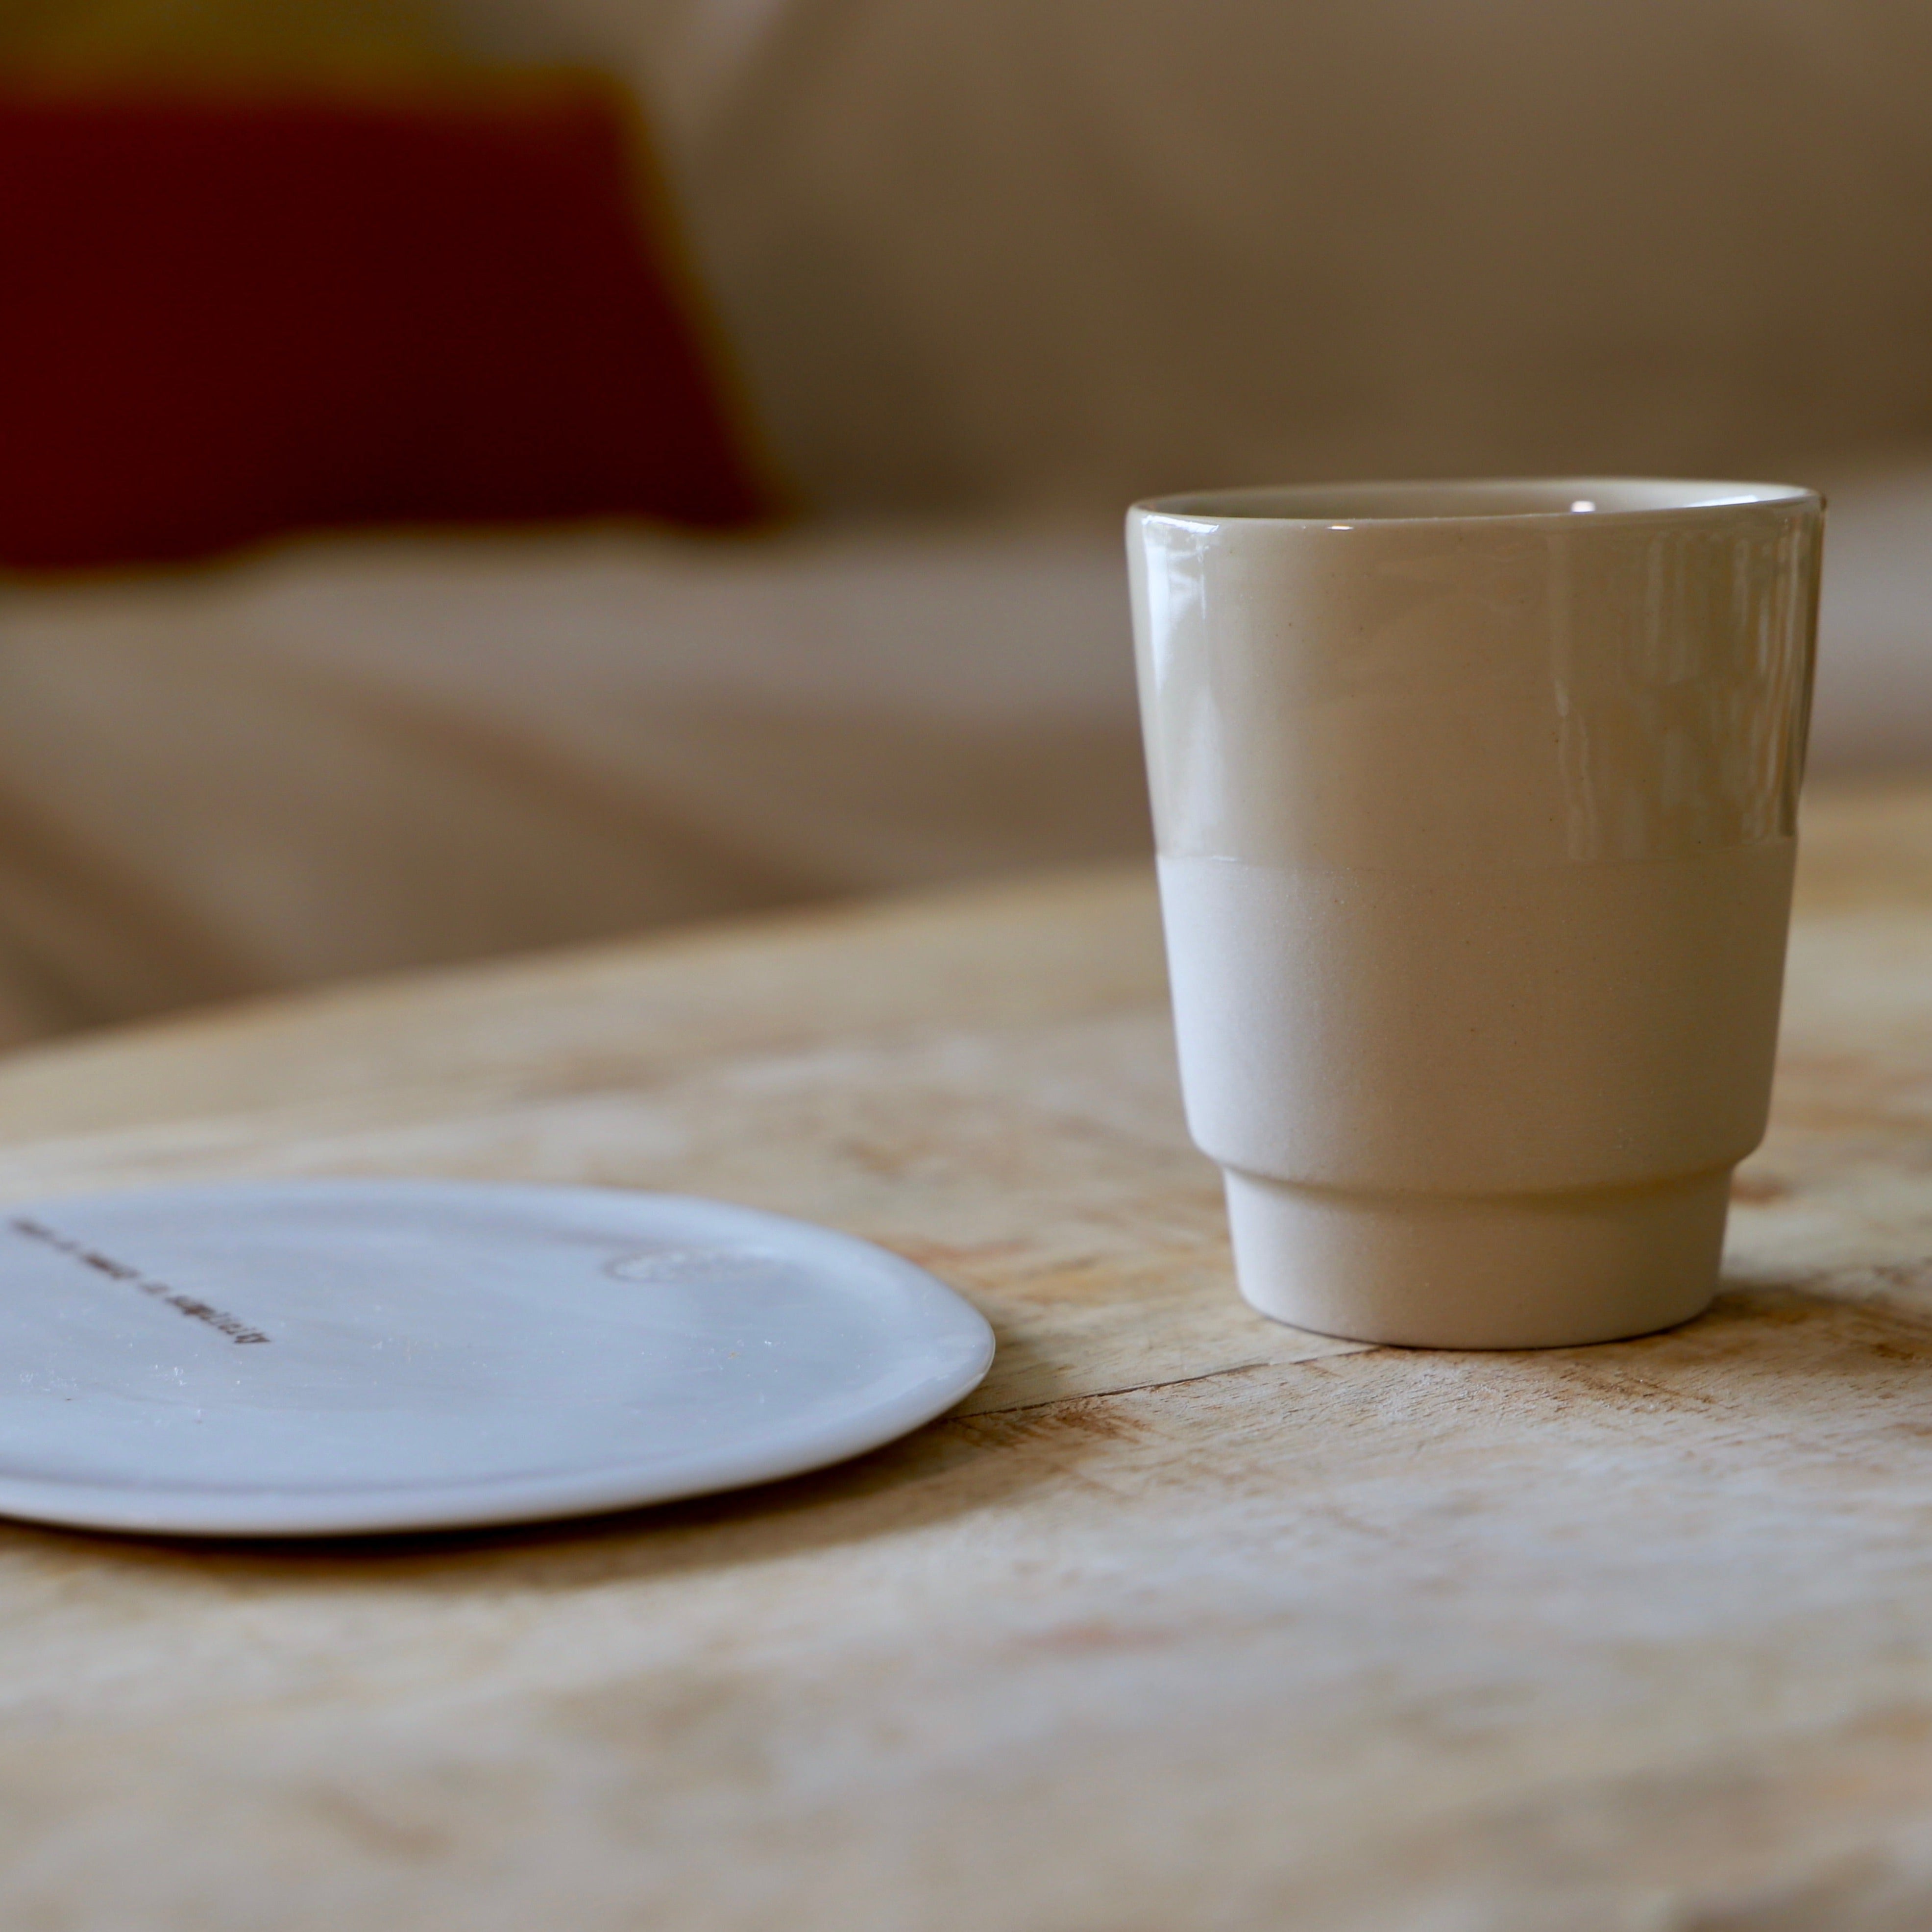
pixel 1346 504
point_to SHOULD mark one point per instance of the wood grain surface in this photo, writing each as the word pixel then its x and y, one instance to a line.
pixel 1185 1621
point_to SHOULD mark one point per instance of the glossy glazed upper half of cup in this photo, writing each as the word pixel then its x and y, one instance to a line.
pixel 1475 674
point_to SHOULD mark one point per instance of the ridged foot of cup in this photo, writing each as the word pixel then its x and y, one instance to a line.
pixel 1505 1271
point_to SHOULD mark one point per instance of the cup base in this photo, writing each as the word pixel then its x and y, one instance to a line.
pixel 1503 1271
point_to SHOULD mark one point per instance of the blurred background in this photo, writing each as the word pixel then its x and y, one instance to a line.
pixel 478 474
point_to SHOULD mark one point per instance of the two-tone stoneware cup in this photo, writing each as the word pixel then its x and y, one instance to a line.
pixel 1476 809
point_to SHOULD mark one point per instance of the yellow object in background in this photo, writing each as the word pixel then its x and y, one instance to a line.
pixel 244 43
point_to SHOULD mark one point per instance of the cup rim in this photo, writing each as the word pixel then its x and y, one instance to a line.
pixel 1487 501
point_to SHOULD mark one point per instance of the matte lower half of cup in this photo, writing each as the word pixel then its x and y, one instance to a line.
pixel 1504 1271
pixel 1491 1110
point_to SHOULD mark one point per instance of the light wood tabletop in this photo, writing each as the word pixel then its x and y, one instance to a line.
pixel 1183 1620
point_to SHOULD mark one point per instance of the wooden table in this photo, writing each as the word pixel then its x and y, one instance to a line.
pixel 1184 1621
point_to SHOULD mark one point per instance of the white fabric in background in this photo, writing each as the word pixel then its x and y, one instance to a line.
pixel 354 756
pixel 1873 709
pixel 1028 251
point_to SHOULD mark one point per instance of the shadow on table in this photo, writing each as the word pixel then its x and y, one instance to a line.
pixel 949 1467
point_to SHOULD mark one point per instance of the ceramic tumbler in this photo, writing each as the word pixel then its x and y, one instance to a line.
pixel 1476 811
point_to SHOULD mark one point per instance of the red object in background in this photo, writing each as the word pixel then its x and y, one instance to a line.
pixel 220 320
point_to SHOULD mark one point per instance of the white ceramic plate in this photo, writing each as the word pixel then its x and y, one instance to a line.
pixel 321 1358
